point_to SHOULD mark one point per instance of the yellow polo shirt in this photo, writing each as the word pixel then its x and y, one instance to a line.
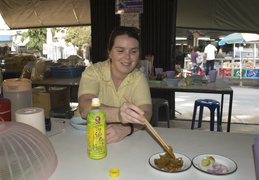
pixel 96 80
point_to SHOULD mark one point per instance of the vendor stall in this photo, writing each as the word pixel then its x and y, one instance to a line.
pixel 244 62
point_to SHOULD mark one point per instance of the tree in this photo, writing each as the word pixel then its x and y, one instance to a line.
pixel 78 37
pixel 37 37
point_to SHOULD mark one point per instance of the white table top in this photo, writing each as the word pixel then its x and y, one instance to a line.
pixel 131 155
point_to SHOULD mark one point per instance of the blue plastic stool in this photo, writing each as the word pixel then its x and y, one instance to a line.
pixel 156 104
pixel 212 105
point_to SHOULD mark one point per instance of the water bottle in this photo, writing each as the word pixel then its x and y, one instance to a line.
pixel 19 92
pixel 96 131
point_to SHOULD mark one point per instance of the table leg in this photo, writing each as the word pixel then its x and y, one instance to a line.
pixel 172 109
pixel 230 111
pixel 221 108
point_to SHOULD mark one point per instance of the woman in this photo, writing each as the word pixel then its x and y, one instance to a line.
pixel 115 78
pixel 194 56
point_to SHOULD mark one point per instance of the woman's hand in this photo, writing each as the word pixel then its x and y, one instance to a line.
pixel 116 132
pixel 130 113
pixel 85 102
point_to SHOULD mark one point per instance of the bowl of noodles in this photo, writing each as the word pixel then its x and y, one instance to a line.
pixel 166 163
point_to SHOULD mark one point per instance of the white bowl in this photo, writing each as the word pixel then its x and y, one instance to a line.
pixel 75 122
pixel 171 81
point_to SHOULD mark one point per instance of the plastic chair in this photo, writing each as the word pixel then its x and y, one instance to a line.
pixel 212 105
pixel 156 104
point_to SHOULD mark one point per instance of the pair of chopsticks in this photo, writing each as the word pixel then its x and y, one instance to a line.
pixel 153 131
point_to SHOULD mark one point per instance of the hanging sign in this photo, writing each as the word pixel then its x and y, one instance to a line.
pixel 130 19
pixel 128 6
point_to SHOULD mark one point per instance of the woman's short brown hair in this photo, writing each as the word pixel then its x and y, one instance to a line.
pixel 122 30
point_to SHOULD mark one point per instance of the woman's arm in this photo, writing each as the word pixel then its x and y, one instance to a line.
pixel 117 132
pixel 127 113
pixel 84 104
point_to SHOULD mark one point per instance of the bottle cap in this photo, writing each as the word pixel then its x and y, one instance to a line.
pixel 96 102
pixel 114 172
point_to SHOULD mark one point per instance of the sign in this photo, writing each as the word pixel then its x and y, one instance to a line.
pixel 128 6
pixel 252 73
pixel 130 19
pixel 225 72
pixel 236 73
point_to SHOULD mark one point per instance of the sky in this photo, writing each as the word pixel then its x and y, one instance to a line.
pixel 3 25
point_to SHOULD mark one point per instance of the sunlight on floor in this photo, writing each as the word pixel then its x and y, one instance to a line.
pixel 177 99
pixel 244 116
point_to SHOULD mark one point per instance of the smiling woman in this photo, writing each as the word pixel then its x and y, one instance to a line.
pixel 115 78
pixel 124 57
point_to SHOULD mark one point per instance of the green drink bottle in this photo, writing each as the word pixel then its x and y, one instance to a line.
pixel 96 131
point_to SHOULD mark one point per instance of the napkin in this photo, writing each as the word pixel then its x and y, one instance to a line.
pixel 256 155
pixel 32 116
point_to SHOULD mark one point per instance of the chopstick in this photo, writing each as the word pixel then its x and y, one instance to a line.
pixel 153 131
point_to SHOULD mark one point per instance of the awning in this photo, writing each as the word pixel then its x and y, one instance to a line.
pixel 24 14
pixel 222 15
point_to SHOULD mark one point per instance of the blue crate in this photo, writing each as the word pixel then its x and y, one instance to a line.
pixel 67 71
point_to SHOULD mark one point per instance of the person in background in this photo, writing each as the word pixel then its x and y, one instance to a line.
pixel 180 58
pixel 221 54
pixel 209 54
pixel 115 78
pixel 194 58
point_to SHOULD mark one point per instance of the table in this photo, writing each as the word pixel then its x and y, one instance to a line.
pixel 131 154
pixel 71 83
pixel 54 81
pixel 220 87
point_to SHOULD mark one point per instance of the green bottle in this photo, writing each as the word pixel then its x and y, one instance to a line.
pixel 96 131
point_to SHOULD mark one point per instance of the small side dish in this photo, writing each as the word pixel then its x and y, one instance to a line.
pixel 209 164
pixel 214 164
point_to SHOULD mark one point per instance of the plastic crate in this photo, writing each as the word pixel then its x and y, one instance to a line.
pixel 67 71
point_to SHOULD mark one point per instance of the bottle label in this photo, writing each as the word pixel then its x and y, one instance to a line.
pixel 96 134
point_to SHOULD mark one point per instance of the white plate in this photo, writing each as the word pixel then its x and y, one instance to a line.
pixel 186 162
pixel 75 123
pixel 229 163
